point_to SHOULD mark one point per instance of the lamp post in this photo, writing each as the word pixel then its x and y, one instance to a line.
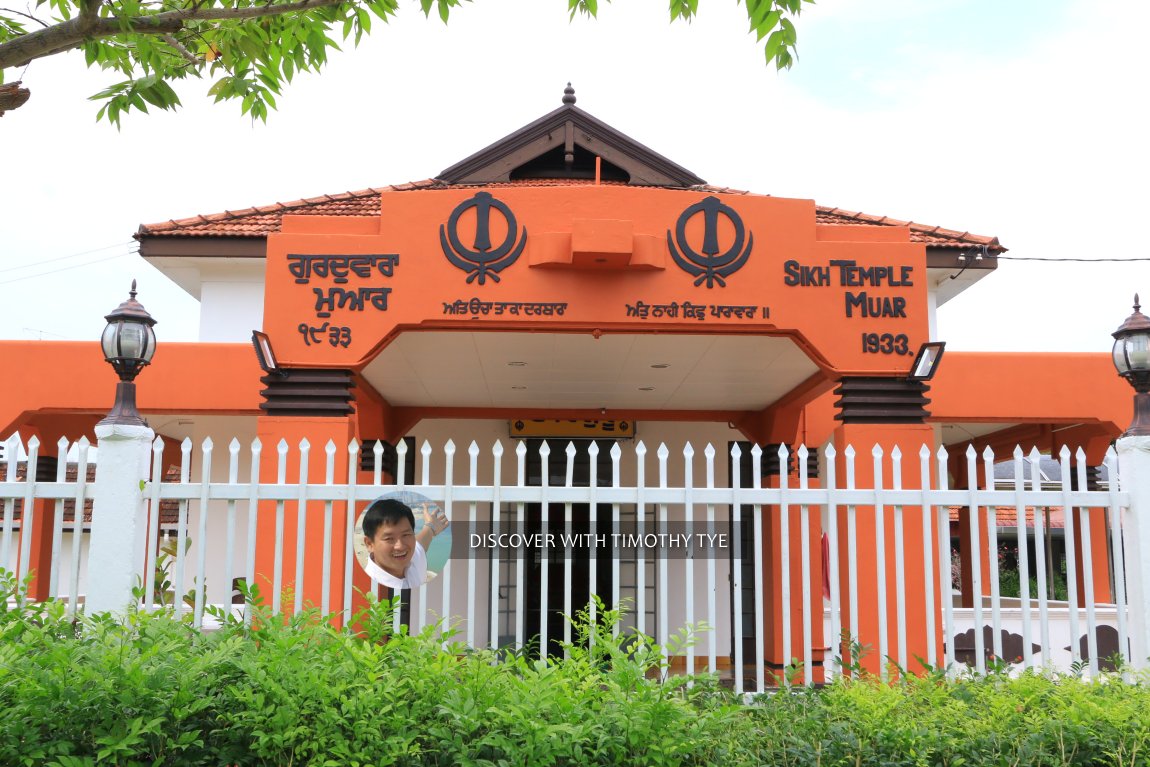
pixel 128 343
pixel 116 558
pixel 1132 359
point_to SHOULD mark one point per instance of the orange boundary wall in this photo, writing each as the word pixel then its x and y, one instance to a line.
pixel 1044 399
pixel 63 384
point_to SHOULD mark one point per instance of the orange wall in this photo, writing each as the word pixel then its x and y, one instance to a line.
pixel 45 377
pixel 1050 391
pixel 1030 386
pixel 598 253
pixel 190 378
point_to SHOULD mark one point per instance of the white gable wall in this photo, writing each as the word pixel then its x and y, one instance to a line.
pixel 231 300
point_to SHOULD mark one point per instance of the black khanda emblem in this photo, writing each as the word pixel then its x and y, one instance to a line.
pixel 710 266
pixel 481 261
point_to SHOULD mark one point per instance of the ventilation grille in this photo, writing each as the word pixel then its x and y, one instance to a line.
pixel 308 392
pixel 769 461
pixel 882 401
pixel 389 460
pixel 46 466
pixel 1093 477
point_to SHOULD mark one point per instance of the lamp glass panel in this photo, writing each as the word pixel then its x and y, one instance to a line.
pixel 108 341
pixel 1138 351
pixel 151 341
pixel 134 341
pixel 1119 354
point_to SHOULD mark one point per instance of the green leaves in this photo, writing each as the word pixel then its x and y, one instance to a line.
pixel 249 47
pixel 135 94
pixel 589 8
pixel 771 19
pixel 228 40
pixel 684 9
pixel 150 690
pixel 768 18
pixel 9 29
pixel 444 7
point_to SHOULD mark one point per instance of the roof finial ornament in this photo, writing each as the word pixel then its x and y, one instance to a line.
pixel 569 95
pixel 1137 303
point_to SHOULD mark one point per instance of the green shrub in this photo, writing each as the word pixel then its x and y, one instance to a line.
pixel 150 690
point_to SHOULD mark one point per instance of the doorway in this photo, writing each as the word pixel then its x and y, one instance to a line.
pixel 590 566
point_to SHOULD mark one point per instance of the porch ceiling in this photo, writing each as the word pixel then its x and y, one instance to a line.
pixel 578 371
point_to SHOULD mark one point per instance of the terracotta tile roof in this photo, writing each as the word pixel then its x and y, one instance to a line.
pixel 262 221
pixel 1007 517
pixel 70 475
pixel 931 235
pixel 169 509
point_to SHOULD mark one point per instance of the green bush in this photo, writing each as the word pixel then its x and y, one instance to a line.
pixel 150 690
pixel 1034 719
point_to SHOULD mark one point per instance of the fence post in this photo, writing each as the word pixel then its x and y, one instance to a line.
pixel 116 553
pixel 1134 477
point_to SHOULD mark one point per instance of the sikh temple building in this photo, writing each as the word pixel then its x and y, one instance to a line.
pixel 567 283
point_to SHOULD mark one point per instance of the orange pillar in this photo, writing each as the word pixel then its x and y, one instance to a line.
pixel 318 431
pixel 43 519
pixel 880 587
pixel 40 532
pixel 1099 555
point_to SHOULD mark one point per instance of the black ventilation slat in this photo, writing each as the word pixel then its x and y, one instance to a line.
pixel 881 401
pixel 306 392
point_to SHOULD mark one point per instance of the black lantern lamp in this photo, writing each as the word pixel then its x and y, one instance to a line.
pixel 1132 359
pixel 129 343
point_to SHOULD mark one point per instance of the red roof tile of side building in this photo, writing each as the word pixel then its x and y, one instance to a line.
pixel 169 509
pixel 1007 517
pixel 261 221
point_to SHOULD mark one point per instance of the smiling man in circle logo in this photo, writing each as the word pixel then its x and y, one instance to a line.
pixel 397 557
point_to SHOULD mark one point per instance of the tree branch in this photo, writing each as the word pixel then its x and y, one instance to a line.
pixel 191 57
pixel 88 8
pixel 43 42
pixel 196 13
pixel 71 33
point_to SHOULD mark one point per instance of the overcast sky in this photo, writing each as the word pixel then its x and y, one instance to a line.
pixel 1025 120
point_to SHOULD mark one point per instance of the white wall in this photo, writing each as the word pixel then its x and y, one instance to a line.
pixel 232 300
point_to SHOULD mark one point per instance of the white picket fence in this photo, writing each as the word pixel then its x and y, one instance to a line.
pixel 225 519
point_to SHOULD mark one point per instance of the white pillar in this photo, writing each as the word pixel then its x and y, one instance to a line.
pixel 116 553
pixel 1134 477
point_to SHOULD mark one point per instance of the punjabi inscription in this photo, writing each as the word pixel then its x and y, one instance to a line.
pixel 340 269
pixel 478 308
pixel 698 312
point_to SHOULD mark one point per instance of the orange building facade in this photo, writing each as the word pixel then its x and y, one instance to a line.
pixel 567 277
